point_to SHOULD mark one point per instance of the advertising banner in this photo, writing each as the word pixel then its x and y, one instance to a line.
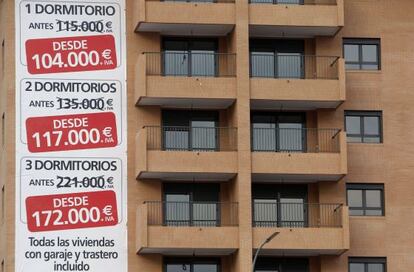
pixel 71 198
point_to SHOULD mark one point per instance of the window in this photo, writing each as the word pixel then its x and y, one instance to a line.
pixel 363 126
pixel 367 264
pixel 278 132
pixel 362 54
pixel 277 58
pixel 191 265
pixel 190 57
pixel 279 206
pixel 188 204
pixel 365 199
pixel 190 130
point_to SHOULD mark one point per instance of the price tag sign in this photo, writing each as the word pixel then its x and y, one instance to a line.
pixel 71 54
pixel 71 211
pixel 71 136
pixel 71 132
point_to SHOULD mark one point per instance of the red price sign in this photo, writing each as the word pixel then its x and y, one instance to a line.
pixel 71 132
pixel 71 211
pixel 71 54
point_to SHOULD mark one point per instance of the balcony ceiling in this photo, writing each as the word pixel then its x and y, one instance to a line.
pixel 300 252
pixel 186 103
pixel 177 176
pixel 290 31
pixel 186 29
pixel 294 178
pixel 262 104
pixel 188 251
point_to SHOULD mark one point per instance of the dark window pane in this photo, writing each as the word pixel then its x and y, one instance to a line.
pixel 375 267
pixel 355 198
pixel 371 125
pixel 356 212
pixel 369 53
pixel 356 267
pixel 353 125
pixel 373 212
pixel 351 52
pixel 373 198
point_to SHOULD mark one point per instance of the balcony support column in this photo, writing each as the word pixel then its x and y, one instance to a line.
pixel 242 190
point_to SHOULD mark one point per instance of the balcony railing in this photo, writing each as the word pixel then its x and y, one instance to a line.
pixel 202 214
pixel 294 66
pixel 187 64
pixel 305 140
pixel 296 215
pixel 177 138
pixel 295 2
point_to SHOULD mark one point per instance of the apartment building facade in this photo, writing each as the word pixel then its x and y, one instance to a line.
pixel 249 118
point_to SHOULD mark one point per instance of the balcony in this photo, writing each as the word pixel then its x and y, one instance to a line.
pixel 186 79
pixel 305 229
pixel 298 154
pixel 295 18
pixel 186 153
pixel 296 82
pixel 187 228
pixel 199 18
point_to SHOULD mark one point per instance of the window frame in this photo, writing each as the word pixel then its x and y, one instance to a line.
pixel 366 261
pixel 362 135
pixel 360 42
pixel 366 187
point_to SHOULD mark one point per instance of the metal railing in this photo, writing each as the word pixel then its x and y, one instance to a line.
pixel 296 215
pixel 177 138
pixel 305 140
pixel 201 64
pixel 181 214
pixel 295 2
pixel 193 1
pixel 294 66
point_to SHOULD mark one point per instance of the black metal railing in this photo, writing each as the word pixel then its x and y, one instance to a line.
pixel 181 214
pixel 294 66
pixel 295 2
pixel 177 138
pixel 201 64
pixel 305 140
pixel 194 1
pixel 296 215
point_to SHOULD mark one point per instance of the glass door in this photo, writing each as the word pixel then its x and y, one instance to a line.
pixel 203 135
pixel 289 65
pixel 177 210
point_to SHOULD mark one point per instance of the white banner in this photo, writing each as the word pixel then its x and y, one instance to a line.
pixel 71 189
